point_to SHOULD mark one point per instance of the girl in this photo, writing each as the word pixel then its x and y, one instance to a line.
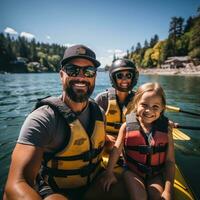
pixel 148 149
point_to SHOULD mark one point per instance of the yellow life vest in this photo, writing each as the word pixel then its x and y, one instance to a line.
pixel 79 161
pixel 114 115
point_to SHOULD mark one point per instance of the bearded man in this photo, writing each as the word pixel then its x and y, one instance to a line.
pixel 60 144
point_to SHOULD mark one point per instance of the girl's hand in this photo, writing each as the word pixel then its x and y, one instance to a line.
pixel 173 124
pixel 107 179
pixel 166 195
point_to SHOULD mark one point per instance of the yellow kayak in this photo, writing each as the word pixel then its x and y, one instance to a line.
pixel 181 188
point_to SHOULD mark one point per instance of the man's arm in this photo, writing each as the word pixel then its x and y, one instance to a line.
pixel 25 164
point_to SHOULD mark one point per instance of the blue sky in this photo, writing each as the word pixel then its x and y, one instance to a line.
pixel 106 26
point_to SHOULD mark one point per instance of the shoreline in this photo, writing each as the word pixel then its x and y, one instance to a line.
pixel 195 71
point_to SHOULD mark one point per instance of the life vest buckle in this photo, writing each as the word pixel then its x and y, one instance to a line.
pixel 149 150
pixel 117 125
pixel 144 149
pixel 145 169
pixel 88 169
pixel 89 155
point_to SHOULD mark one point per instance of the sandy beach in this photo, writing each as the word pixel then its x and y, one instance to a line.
pixel 194 71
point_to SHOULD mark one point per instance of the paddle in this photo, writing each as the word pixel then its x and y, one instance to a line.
pixel 188 127
pixel 179 135
pixel 177 109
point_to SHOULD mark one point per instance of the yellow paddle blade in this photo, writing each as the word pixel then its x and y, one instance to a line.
pixel 179 135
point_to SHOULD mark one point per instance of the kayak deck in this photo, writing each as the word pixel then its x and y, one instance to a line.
pixel 181 189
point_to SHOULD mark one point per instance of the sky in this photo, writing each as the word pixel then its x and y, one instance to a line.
pixel 106 26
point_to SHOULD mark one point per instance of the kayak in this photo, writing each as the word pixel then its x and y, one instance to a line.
pixel 181 189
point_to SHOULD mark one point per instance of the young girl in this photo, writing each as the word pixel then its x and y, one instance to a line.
pixel 148 149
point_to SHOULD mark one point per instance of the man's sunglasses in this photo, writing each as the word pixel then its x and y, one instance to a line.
pixel 74 70
pixel 121 75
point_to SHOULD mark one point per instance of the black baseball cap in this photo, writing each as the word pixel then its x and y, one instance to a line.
pixel 79 51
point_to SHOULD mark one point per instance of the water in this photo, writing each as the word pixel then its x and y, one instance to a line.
pixel 18 94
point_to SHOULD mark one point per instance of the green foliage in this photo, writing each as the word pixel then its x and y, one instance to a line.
pixel 147 61
pixel 21 55
pixel 195 39
pixel 183 39
pixel 195 53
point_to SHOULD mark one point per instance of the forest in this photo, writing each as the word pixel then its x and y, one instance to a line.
pixel 183 40
pixel 18 55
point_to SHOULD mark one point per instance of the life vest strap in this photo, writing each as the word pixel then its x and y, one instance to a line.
pixel 84 171
pixel 86 156
pixel 116 125
pixel 148 170
pixel 146 149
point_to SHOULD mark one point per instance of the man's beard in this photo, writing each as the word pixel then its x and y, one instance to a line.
pixel 78 95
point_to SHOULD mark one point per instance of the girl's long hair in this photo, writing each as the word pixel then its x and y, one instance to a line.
pixel 148 87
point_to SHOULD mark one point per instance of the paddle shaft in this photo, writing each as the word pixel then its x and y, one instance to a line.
pixel 188 127
pixel 177 109
pixel 191 113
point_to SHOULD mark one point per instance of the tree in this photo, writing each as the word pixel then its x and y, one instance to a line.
pixel 153 41
pixel 195 39
pixel 146 44
pixel 147 61
pixel 23 48
pixel 33 51
pixel 132 48
pixel 138 47
pixel 114 57
pixel 175 31
pixel 189 24
pixel 156 54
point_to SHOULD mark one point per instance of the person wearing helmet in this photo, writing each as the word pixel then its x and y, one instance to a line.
pixel 115 101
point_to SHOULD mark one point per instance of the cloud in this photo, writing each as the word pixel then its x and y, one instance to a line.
pixel 48 37
pixel 29 36
pixel 10 31
pixel 114 51
pixel 107 58
pixel 118 53
pixel 69 45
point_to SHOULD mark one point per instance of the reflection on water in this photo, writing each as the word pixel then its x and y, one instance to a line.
pixel 18 94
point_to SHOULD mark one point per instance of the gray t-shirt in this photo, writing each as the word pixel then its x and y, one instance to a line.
pixel 47 129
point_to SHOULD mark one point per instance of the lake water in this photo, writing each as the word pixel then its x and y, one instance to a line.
pixel 19 92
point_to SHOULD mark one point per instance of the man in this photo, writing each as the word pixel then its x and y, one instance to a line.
pixel 116 101
pixel 59 148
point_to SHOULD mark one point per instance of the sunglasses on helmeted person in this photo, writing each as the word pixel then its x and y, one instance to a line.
pixel 124 75
pixel 74 70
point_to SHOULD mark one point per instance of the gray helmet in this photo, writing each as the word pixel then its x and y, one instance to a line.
pixel 120 65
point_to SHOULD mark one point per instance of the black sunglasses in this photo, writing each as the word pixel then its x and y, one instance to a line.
pixel 121 75
pixel 74 70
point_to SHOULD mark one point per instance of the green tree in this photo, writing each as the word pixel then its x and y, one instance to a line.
pixel 24 51
pixel 175 31
pixel 194 45
pixel 153 40
pixel 189 24
pixel 146 44
pixel 147 61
